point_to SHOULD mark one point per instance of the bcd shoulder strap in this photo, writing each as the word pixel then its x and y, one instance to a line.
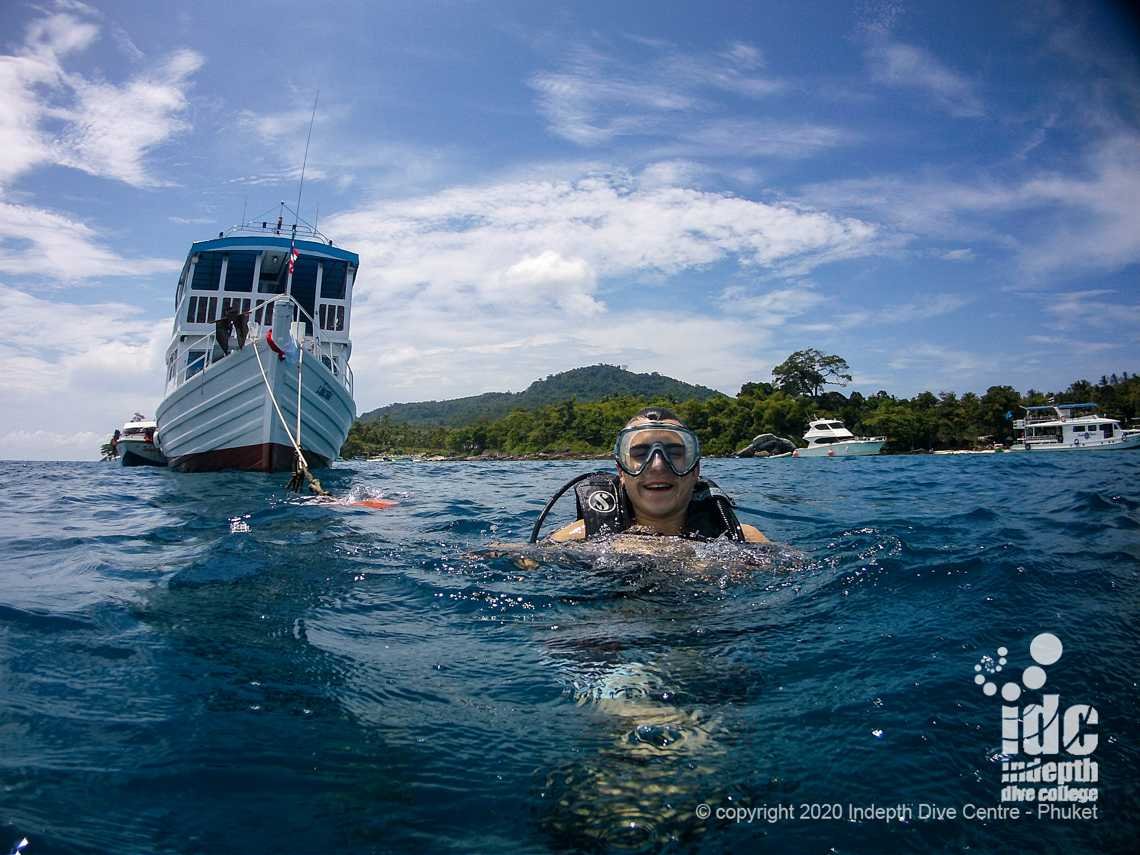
pixel 711 513
pixel 601 504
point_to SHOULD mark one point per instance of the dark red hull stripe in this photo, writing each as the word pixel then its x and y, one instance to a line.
pixel 264 457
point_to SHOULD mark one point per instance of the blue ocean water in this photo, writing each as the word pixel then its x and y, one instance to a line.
pixel 202 663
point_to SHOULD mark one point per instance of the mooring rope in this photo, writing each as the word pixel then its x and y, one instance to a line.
pixel 302 466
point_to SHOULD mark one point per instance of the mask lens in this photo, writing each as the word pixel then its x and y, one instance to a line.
pixel 636 446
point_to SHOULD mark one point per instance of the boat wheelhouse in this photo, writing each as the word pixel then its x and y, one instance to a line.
pixel 259 355
pixel 831 438
pixel 1069 427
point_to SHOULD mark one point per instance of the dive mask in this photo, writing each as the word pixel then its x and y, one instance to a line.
pixel 678 447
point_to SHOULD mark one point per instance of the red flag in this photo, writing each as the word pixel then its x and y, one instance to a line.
pixel 293 255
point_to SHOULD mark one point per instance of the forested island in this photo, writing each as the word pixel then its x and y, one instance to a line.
pixel 582 410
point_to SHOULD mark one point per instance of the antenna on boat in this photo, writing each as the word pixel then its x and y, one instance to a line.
pixel 305 160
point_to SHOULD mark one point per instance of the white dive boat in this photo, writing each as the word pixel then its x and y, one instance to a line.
pixel 135 443
pixel 829 438
pixel 259 355
pixel 1063 427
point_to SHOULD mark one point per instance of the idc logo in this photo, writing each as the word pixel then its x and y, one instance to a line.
pixel 1037 737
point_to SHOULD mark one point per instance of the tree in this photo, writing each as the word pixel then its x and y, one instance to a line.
pixel 806 372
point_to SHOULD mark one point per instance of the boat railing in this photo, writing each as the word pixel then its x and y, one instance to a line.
pixel 207 343
pixel 1037 418
pixel 265 227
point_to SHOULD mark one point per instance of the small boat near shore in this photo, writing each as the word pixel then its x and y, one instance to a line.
pixel 830 438
pixel 135 444
pixel 257 364
pixel 1063 427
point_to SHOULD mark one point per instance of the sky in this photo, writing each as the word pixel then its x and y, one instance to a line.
pixel 945 195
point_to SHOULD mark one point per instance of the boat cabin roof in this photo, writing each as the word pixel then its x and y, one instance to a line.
pixel 306 246
pixel 1045 407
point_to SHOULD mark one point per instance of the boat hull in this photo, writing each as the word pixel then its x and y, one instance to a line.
pixel 224 418
pixel 854 448
pixel 137 452
pixel 1127 441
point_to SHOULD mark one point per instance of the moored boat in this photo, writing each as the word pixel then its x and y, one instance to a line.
pixel 1070 427
pixel 135 443
pixel 257 364
pixel 830 438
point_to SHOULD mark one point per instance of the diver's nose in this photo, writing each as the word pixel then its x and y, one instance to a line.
pixel 657 461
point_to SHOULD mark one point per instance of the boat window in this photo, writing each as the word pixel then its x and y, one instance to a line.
pixel 201 310
pixel 333 279
pixel 304 288
pixel 824 440
pixel 207 272
pixel 273 272
pixel 195 362
pixel 332 318
pixel 1107 430
pixel 239 271
pixel 234 303
pixel 836 425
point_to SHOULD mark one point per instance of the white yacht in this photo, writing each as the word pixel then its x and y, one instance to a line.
pixel 1070 427
pixel 829 438
pixel 135 443
pixel 257 365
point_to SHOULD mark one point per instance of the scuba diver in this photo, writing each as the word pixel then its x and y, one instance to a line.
pixel 657 489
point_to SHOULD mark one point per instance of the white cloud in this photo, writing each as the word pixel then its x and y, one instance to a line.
pixel 52 115
pixel 35 242
pixel 1092 308
pixel 900 65
pixel 958 255
pixel 417 349
pixel 1091 223
pixel 457 245
pixel 82 369
pixel 548 277
pixel 592 98
pixel 487 287
pixel 1069 344
pixel 773 308
pixel 935 366
pixel 740 137
pixel 111 129
pixel 779 307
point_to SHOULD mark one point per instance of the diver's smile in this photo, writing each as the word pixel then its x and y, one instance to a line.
pixel 658 485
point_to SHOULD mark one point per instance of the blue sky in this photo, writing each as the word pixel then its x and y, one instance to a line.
pixel 944 194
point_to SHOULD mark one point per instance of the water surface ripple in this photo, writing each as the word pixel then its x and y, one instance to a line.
pixel 195 663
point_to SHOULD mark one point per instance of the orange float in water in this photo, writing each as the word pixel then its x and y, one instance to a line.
pixel 376 504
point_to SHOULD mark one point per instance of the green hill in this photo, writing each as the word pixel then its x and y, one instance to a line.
pixel 592 383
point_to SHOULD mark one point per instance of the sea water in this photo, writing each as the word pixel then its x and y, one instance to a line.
pixel 204 663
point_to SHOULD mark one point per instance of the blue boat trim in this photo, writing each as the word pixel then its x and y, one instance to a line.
pixel 305 246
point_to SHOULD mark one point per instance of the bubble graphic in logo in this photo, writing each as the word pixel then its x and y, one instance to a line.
pixel 1046 648
pixel 1033 677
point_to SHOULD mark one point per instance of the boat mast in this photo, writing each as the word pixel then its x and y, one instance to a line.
pixel 300 187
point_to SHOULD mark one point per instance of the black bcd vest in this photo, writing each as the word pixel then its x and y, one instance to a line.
pixel 605 508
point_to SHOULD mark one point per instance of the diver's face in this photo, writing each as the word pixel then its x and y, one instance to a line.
pixel 658 494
